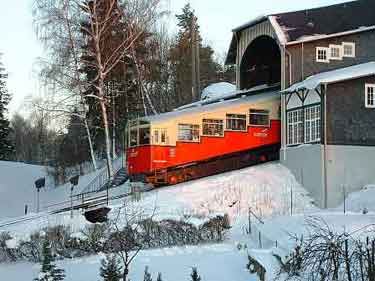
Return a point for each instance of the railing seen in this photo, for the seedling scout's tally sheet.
(102, 178)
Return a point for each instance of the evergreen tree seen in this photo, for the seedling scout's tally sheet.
(49, 271)
(159, 277)
(6, 148)
(147, 276)
(110, 269)
(181, 59)
(194, 275)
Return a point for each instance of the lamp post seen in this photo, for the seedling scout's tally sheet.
(73, 182)
(39, 184)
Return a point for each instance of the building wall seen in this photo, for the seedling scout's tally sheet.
(349, 122)
(349, 168)
(303, 55)
(305, 162)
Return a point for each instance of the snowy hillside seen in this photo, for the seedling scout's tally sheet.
(17, 189)
(264, 188)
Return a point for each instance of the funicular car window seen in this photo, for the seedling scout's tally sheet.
(133, 138)
(213, 127)
(259, 117)
(188, 132)
(144, 136)
(236, 122)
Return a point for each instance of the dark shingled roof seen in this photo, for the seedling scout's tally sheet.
(327, 20)
(319, 21)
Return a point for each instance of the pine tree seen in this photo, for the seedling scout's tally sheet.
(180, 56)
(194, 275)
(159, 277)
(147, 276)
(49, 271)
(6, 148)
(110, 269)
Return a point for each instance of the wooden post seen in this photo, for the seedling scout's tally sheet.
(260, 240)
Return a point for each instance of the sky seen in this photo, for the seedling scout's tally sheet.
(216, 18)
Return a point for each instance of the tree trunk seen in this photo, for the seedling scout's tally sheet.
(107, 135)
(90, 144)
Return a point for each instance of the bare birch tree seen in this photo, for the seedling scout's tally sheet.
(128, 20)
(58, 26)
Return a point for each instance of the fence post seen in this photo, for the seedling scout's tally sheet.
(260, 240)
(249, 220)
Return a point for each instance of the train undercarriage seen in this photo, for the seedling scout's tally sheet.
(209, 167)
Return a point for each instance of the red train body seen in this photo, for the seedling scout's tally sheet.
(205, 139)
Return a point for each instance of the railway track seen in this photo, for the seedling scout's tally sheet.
(89, 203)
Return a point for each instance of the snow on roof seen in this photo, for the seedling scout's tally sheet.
(202, 108)
(342, 74)
(279, 30)
(314, 37)
(231, 95)
(218, 90)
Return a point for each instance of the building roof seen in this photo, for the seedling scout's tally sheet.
(314, 24)
(334, 76)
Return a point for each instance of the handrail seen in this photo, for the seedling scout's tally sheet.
(102, 178)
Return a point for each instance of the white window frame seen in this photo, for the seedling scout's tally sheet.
(367, 92)
(352, 45)
(295, 127)
(260, 111)
(158, 136)
(213, 121)
(312, 124)
(327, 50)
(229, 116)
(197, 127)
(340, 50)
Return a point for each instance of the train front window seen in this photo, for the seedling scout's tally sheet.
(259, 117)
(144, 136)
(213, 127)
(188, 132)
(133, 138)
(236, 122)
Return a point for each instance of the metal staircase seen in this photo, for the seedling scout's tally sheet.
(102, 181)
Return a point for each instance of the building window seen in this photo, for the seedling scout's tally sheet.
(213, 127)
(295, 127)
(370, 95)
(259, 117)
(322, 54)
(188, 132)
(236, 122)
(335, 52)
(312, 124)
(349, 49)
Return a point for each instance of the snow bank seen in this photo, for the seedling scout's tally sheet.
(217, 90)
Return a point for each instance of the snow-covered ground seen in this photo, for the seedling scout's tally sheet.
(17, 189)
(221, 262)
(265, 189)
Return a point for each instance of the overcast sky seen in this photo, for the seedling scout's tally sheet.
(216, 18)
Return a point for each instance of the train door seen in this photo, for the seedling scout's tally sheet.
(159, 156)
